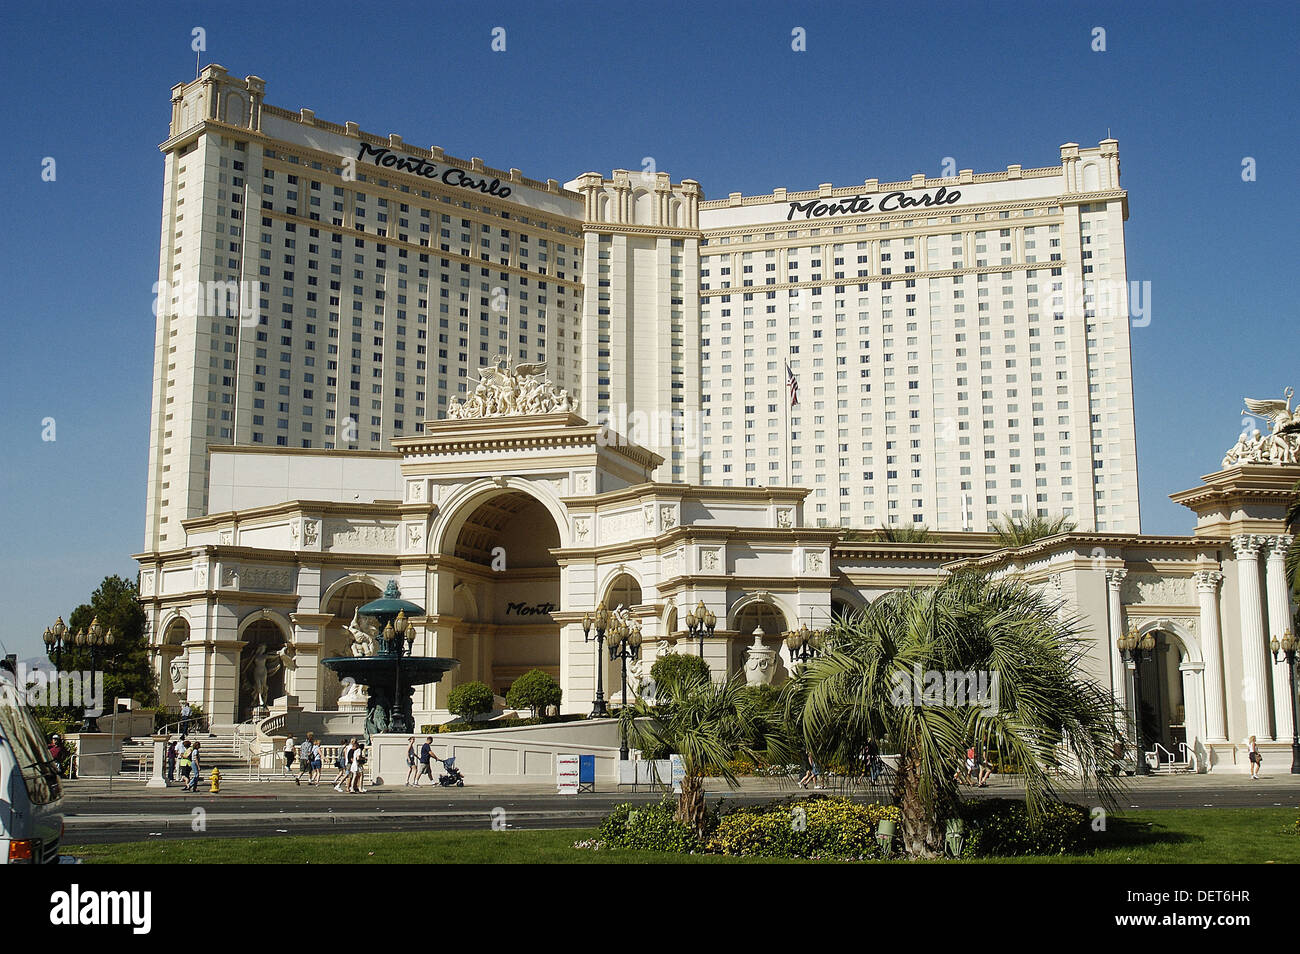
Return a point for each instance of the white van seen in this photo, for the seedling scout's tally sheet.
(31, 795)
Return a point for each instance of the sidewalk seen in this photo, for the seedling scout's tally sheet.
(97, 791)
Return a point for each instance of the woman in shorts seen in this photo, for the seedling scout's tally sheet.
(412, 765)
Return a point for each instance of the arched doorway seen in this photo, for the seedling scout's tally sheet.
(263, 640)
(506, 591)
(752, 616)
(1162, 706)
(342, 603)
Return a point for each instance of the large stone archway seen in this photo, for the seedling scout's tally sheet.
(499, 590)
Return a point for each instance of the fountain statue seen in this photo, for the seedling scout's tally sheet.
(387, 668)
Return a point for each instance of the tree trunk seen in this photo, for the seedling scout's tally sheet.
(921, 836)
(690, 804)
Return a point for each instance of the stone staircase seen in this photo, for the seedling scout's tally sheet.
(221, 750)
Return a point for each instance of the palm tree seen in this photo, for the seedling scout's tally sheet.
(1017, 532)
(1040, 712)
(919, 533)
(709, 725)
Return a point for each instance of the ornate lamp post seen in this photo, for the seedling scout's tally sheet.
(1287, 646)
(624, 644)
(804, 643)
(94, 638)
(599, 709)
(54, 640)
(395, 632)
(1137, 650)
(701, 623)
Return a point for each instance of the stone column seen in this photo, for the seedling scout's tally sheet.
(1194, 711)
(1115, 615)
(1279, 622)
(1254, 651)
(1207, 589)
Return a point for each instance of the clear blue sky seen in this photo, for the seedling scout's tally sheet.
(712, 92)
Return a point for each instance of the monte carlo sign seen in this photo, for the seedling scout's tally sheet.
(858, 204)
(451, 175)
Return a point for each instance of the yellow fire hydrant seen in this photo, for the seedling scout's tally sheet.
(215, 778)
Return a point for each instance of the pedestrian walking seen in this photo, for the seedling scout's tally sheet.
(426, 755)
(306, 753)
(290, 751)
(343, 764)
(187, 766)
(172, 754)
(873, 760)
(1256, 760)
(412, 764)
(316, 761)
(357, 768)
(186, 713)
(195, 767)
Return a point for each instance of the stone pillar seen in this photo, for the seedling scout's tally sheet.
(1115, 615)
(1279, 622)
(158, 778)
(1207, 589)
(1194, 711)
(1254, 650)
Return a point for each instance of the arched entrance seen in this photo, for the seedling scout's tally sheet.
(506, 591)
(342, 603)
(1163, 708)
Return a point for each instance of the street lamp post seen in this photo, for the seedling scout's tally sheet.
(1287, 645)
(701, 623)
(624, 644)
(94, 638)
(54, 640)
(1137, 650)
(804, 643)
(600, 621)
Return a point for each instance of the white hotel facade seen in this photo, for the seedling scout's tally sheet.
(949, 371)
(950, 368)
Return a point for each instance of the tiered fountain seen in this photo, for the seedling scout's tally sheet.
(390, 671)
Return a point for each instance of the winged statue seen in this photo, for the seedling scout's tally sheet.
(1281, 445)
(505, 388)
(1280, 417)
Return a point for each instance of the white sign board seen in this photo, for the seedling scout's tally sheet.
(566, 774)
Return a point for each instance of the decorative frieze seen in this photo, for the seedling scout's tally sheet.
(344, 536)
(1154, 588)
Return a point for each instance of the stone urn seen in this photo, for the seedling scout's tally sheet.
(760, 662)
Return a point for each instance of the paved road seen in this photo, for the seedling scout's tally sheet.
(129, 812)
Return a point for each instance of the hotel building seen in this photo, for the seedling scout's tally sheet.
(323, 288)
(329, 299)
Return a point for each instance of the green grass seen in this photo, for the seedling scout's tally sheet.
(1176, 836)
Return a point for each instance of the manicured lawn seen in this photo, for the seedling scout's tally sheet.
(1176, 836)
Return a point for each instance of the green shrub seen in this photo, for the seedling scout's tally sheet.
(470, 700)
(763, 698)
(816, 827)
(673, 669)
(1001, 827)
(535, 689)
(647, 827)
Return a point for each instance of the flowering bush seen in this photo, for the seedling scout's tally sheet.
(803, 828)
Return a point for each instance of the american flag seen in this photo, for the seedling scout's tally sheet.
(792, 383)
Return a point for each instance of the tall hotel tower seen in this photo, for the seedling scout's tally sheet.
(958, 347)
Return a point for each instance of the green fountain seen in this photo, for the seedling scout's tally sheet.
(386, 665)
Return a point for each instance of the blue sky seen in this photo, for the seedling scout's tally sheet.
(712, 92)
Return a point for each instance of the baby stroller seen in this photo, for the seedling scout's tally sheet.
(452, 774)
